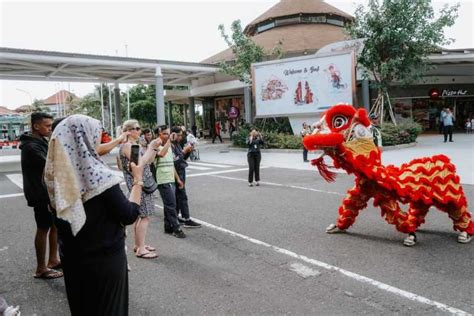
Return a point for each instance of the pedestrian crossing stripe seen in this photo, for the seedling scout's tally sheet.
(16, 178)
(204, 164)
(198, 168)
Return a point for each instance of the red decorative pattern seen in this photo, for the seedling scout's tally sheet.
(421, 183)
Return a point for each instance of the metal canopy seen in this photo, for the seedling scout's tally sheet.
(34, 65)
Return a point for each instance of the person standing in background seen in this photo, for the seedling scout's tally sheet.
(448, 124)
(305, 131)
(254, 157)
(180, 156)
(217, 132)
(34, 150)
(147, 202)
(166, 177)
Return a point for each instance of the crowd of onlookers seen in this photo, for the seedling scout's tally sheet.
(81, 213)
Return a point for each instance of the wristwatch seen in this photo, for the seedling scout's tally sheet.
(140, 183)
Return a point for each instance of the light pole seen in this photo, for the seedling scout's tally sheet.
(26, 92)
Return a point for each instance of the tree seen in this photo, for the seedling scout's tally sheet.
(398, 36)
(245, 51)
(38, 106)
(89, 105)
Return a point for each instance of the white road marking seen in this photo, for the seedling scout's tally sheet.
(16, 178)
(208, 164)
(4, 248)
(198, 168)
(304, 271)
(219, 172)
(282, 185)
(14, 158)
(10, 195)
(363, 279)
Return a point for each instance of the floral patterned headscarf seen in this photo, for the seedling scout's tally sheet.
(74, 172)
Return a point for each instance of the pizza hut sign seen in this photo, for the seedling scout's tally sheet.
(453, 93)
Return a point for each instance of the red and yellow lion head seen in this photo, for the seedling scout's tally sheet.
(331, 130)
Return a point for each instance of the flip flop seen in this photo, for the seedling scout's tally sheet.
(49, 274)
(56, 267)
(147, 255)
(149, 248)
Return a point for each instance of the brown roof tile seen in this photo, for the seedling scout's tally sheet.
(6, 111)
(290, 7)
(60, 97)
(297, 40)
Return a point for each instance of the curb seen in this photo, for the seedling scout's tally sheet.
(287, 151)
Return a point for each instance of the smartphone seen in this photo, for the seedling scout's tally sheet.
(135, 154)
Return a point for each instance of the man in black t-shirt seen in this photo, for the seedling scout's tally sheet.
(34, 149)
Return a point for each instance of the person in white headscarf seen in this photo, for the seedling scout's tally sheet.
(91, 212)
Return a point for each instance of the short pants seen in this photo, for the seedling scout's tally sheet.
(43, 216)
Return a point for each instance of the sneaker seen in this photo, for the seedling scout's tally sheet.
(178, 233)
(250, 184)
(332, 228)
(189, 223)
(464, 238)
(168, 230)
(257, 184)
(410, 241)
(12, 311)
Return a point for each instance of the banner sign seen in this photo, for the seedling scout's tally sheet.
(303, 85)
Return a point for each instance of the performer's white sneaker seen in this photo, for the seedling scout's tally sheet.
(12, 311)
(410, 241)
(332, 228)
(464, 238)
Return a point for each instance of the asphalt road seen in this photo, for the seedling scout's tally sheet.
(262, 250)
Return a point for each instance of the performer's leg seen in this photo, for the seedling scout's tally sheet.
(461, 221)
(355, 201)
(404, 222)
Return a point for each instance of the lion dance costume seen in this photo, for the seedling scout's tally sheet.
(344, 134)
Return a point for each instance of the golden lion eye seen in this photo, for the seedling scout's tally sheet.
(339, 121)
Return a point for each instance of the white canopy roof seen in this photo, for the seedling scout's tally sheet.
(31, 65)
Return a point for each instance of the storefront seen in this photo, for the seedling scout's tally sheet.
(423, 103)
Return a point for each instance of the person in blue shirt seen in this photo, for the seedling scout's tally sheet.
(448, 123)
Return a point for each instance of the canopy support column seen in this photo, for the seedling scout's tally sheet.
(118, 108)
(192, 112)
(248, 105)
(160, 98)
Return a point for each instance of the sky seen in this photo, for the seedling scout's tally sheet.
(168, 30)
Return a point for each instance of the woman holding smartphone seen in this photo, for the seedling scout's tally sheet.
(147, 205)
(91, 212)
(254, 142)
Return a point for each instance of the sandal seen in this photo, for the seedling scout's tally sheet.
(56, 267)
(49, 274)
(149, 248)
(147, 255)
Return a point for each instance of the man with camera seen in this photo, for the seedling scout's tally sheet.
(167, 179)
(180, 164)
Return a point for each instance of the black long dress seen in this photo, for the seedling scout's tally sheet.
(94, 261)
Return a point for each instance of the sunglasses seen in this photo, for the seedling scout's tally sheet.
(138, 128)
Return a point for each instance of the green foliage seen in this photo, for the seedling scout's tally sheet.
(278, 125)
(399, 35)
(404, 133)
(38, 105)
(144, 111)
(272, 139)
(246, 52)
(88, 105)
